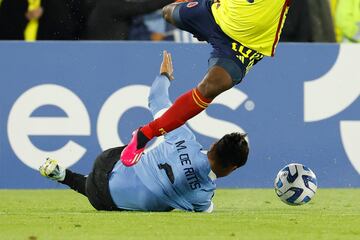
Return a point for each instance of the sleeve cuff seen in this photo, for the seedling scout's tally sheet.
(211, 208)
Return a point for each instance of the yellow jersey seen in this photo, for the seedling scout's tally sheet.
(256, 24)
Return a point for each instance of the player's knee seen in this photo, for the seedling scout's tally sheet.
(210, 89)
(214, 83)
(167, 12)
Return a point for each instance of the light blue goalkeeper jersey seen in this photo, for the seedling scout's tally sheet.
(175, 174)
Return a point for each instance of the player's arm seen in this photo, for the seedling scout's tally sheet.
(211, 208)
(159, 93)
(203, 202)
(158, 99)
(207, 207)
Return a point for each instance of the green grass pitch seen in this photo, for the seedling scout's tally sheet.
(239, 214)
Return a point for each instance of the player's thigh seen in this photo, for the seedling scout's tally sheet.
(193, 17)
(216, 81)
(232, 56)
(107, 159)
(229, 65)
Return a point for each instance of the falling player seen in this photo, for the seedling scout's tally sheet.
(175, 174)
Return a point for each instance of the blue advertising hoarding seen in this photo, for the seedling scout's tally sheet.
(71, 100)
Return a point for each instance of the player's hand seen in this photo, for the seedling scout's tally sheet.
(166, 67)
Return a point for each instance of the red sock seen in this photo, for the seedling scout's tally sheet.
(185, 107)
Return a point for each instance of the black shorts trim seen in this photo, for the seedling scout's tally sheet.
(97, 183)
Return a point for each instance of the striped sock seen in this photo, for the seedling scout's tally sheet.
(185, 107)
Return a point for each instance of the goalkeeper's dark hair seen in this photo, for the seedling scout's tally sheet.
(232, 149)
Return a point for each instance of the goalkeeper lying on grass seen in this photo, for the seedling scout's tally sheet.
(175, 174)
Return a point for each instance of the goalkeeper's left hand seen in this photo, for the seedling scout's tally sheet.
(166, 67)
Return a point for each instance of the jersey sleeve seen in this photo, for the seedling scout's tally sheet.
(159, 95)
(211, 208)
(207, 207)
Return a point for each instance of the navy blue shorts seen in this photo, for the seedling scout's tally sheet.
(196, 17)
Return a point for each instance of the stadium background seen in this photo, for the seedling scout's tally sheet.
(78, 98)
(71, 99)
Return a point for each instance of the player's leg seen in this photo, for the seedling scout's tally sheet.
(194, 17)
(189, 16)
(216, 81)
(95, 186)
(168, 13)
(97, 183)
(52, 170)
(75, 181)
(188, 105)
